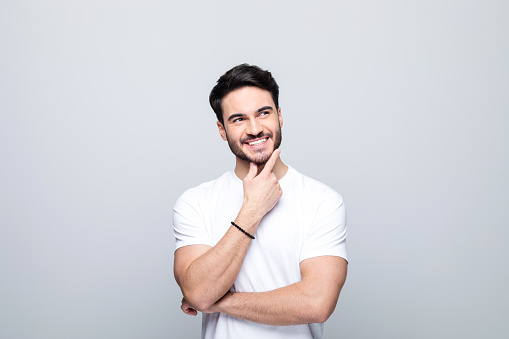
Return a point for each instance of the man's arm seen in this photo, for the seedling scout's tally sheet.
(312, 300)
(206, 273)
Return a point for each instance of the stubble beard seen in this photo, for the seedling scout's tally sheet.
(261, 156)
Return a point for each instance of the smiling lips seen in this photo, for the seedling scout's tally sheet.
(257, 142)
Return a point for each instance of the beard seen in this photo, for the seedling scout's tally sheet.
(261, 156)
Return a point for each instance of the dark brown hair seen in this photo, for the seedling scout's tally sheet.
(242, 76)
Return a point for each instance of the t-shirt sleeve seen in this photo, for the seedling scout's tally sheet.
(327, 234)
(188, 222)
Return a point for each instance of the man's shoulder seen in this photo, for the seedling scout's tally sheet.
(206, 188)
(313, 188)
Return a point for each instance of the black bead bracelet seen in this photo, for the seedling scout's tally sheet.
(240, 229)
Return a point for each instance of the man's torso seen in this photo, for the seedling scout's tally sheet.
(296, 228)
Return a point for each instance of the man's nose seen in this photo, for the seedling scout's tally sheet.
(254, 127)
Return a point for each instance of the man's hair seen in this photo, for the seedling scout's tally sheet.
(238, 77)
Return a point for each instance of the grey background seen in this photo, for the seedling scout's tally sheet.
(401, 106)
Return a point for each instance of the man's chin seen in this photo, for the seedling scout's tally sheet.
(259, 159)
(262, 158)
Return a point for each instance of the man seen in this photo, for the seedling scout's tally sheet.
(260, 250)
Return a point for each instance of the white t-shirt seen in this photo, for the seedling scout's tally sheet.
(309, 220)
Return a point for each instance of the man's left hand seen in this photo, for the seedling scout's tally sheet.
(186, 308)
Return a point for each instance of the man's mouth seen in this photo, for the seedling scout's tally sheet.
(257, 142)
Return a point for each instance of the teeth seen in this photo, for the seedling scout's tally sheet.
(257, 142)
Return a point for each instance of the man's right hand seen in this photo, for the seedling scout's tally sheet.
(262, 191)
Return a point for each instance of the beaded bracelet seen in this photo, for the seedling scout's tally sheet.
(240, 229)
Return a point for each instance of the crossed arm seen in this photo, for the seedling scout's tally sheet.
(312, 300)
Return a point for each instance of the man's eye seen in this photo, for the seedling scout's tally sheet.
(237, 120)
(264, 113)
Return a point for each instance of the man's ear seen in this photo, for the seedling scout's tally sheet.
(222, 131)
(280, 117)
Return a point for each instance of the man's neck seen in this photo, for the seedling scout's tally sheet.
(242, 168)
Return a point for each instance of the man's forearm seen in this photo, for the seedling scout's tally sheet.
(212, 274)
(290, 305)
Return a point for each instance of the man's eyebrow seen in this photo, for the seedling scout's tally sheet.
(236, 115)
(264, 108)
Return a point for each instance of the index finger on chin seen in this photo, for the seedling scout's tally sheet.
(269, 165)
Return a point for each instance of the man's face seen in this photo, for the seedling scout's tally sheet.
(252, 125)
